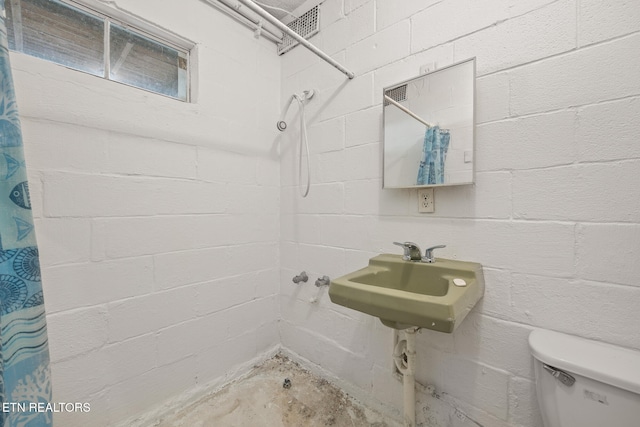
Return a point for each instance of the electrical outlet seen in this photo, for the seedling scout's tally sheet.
(425, 200)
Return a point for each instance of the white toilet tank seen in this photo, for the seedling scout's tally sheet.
(583, 383)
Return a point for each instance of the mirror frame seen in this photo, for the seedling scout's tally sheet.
(473, 130)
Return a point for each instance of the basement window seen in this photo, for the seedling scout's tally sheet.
(87, 39)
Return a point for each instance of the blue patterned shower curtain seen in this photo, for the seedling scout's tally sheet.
(434, 154)
(25, 385)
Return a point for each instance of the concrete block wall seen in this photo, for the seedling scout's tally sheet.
(553, 216)
(157, 220)
(147, 209)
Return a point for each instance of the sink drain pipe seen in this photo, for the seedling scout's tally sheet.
(404, 356)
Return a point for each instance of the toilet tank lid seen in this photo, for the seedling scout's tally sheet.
(616, 366)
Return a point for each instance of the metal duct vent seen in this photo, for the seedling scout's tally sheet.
(306, 26)
(398, 94)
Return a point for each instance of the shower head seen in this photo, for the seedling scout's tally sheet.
(305, 96)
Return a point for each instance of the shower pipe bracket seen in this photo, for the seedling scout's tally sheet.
(258, 32)
(279, 25)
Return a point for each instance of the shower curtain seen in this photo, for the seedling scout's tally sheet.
(434, 154)
(25, 386)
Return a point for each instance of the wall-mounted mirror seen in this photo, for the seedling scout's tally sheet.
(429, 126)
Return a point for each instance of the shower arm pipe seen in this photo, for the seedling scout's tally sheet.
(275, 22)
(249, 21)
(406, 110)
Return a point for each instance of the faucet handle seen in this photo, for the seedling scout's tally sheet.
(428, 253)
(411, 251)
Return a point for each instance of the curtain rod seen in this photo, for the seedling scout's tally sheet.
(274, 21)
(406, 110)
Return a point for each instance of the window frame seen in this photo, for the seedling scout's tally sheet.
(145, 29)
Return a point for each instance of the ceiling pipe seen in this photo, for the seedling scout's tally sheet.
(249, 21)
(279, 25)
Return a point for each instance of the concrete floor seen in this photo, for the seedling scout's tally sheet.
(260, 399)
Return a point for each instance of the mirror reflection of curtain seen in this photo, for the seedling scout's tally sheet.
(434, 154)
(25, 386)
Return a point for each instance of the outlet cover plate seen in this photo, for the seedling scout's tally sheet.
(425, 200)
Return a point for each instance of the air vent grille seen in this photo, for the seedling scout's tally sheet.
(398, 94)
(307, 25)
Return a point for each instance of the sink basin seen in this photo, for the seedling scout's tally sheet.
(404, 294)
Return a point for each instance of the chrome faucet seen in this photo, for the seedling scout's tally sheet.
(411, 251)
(428, 253)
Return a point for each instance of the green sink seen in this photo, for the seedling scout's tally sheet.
(405, 294)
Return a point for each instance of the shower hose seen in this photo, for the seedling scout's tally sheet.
(304, 141)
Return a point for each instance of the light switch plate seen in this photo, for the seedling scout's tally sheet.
(425, 200)
(468, 156)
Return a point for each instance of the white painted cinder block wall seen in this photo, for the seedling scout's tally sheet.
(147, 210)
(554, 215)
